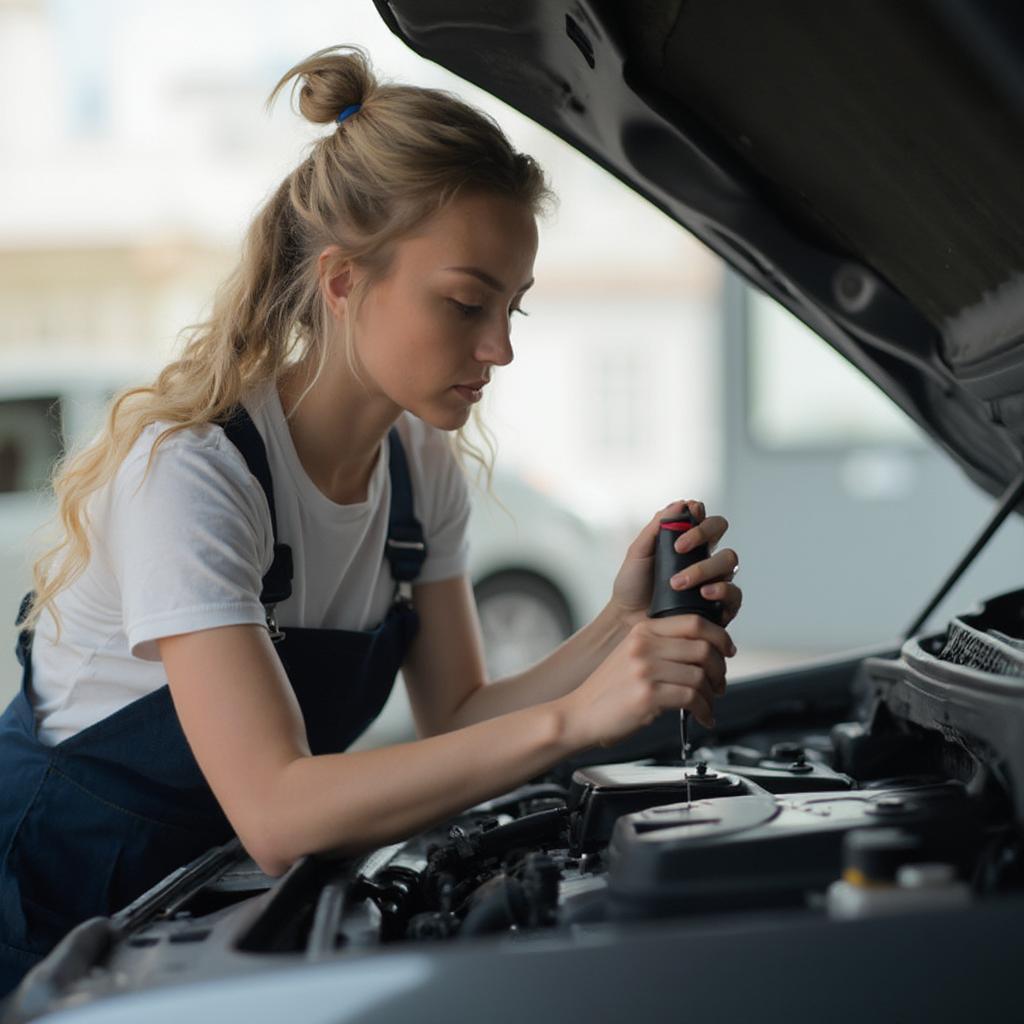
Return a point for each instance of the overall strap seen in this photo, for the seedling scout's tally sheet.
(405, 548)
(23, 645)
(277, 583)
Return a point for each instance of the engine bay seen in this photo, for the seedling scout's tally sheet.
(885, 786)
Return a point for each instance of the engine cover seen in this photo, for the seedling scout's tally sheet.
(600, 795)
(761, 850)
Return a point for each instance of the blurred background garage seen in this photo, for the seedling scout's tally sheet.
(134, 148)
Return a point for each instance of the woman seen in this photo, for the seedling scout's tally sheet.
(259, 540)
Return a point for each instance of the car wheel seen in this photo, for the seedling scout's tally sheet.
(523, 617)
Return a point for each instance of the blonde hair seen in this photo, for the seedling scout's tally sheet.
(388, 167)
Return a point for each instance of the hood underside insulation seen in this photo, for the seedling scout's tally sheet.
(877, 126)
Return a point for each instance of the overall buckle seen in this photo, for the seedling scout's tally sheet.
(276, 634)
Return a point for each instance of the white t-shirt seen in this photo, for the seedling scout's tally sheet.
(185, 547)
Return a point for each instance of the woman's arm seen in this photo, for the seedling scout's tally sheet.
(245, 729)
(444, 671)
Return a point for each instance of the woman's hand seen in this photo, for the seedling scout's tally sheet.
(631, 592)
(672, 662)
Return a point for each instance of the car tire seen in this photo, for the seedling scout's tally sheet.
(523, 617)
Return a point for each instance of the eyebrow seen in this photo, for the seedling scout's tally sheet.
(491, 282)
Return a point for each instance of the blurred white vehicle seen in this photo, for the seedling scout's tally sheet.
(538, 574)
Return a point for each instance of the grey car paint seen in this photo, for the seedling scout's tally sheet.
(803, 969)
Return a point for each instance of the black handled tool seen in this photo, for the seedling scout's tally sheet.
(665, 600)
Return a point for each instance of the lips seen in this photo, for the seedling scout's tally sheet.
(471, 393)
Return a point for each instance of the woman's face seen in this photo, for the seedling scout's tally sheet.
(441, 317)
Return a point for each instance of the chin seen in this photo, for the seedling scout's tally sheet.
(444, 417)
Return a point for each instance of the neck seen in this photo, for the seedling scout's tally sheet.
(337, 427)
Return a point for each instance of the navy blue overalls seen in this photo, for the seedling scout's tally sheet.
(88, 825)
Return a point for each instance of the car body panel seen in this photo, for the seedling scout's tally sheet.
(899, 247)
(785, 966)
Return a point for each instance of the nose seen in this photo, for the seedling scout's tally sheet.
(496, 346)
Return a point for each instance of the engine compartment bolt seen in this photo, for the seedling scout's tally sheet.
(786, 751)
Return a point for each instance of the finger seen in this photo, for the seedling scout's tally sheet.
(721, 565)
(730, 596)
(715, 669)
(691, 627)
(680, 662)
(686, 698)
(709, 531)
(643, 546)
(704, 657)
(695, 508)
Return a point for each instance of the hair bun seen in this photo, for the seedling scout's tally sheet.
(328, 82)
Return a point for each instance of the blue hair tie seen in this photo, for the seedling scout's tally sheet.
(347, 112)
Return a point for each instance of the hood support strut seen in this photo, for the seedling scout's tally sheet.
(1007, 504)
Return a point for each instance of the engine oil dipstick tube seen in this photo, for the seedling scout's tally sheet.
(667, 601)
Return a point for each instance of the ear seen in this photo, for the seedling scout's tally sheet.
(335, 274)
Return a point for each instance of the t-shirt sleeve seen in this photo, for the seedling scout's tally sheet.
(189, 542)
(447, 525)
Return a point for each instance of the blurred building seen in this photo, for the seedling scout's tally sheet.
(141, 149)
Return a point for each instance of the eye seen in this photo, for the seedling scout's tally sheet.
(464, 310)
(516, 309)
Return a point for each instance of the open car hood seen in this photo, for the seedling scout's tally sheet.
(860, 161)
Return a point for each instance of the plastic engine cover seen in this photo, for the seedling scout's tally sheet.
(763, 850)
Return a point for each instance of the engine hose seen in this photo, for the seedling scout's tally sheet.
(539, 828)
(497, 905)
